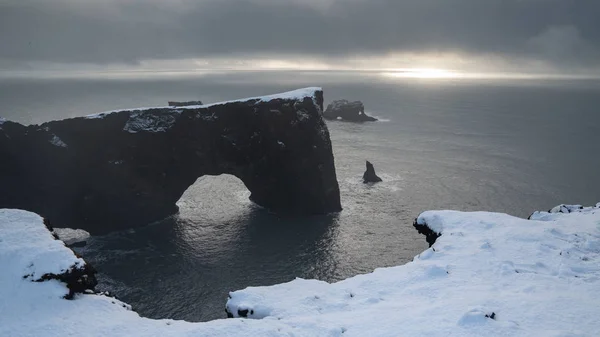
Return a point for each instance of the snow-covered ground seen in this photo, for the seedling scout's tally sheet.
(298, 94)
(488, 274)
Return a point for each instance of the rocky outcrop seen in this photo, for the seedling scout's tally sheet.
(369, 176)
(348, 111)
(31, 251)
(430, 235)
(188, 103)
(125, 168)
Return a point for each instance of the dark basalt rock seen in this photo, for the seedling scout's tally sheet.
(188, 103)
(348, 111)
(370, 176)
(430, 235)
(126, 168)
(79, 280)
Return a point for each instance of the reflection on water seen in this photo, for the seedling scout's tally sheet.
(184, 266)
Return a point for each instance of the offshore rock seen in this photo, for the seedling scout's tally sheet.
(370, 176)
(126, 168)
(347, 111)
(188, 103)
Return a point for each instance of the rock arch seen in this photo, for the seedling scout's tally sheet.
(125, 168)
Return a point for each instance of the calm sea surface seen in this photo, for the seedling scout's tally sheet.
(506, 146)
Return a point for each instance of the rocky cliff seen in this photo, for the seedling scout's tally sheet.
(124, 168)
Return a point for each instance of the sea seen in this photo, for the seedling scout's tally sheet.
(501, 145)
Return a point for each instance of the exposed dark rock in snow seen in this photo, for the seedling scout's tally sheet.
(79, 280)
(370, 176)
(127, 168)
(348, 111)
(188, 103)
(430, 235)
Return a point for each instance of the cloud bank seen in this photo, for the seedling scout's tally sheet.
(554, 33)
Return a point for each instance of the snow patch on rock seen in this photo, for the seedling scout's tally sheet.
(303, 115)
(70, 236)
(57, 141)
(146, 121)
(27, 248)
(299, 94)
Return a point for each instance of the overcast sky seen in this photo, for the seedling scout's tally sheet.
(561, 35)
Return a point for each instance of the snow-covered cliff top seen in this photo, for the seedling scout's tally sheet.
(488, 274)
(298, 94)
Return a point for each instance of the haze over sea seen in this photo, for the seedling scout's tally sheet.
(505, 145)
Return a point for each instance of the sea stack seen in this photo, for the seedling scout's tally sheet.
(347, 111)
(127, 168)
(370, 176)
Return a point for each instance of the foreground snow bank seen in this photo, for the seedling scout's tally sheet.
(488, 274)
(32, 305)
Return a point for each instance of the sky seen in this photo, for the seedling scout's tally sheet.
(521, 36)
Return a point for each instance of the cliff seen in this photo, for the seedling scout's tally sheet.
(124, 168)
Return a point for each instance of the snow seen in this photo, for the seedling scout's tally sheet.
(488, 274)
(28, 248)
(302, 115)
(534, 277)
(70, 236)
(38, 308)
(57, 141)
(298, 94)
(101, 115)
(2, 120)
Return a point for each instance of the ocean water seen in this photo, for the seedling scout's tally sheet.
(510, 146)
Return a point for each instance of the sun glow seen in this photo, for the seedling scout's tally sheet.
(421, 73)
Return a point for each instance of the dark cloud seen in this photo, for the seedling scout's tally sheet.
(565, 33)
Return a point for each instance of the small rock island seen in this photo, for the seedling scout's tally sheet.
(370, 176)
(347, 111)
(187, 103)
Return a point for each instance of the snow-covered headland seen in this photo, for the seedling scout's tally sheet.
(486, 274)
(126, 168)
